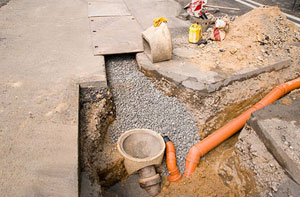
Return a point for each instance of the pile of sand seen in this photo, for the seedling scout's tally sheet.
(261, 37)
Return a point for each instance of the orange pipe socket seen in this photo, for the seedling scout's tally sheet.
(213, 140)
(175, 175)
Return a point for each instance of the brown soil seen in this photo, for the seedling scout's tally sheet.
(218, 174)
(98, 157)
(260, 37)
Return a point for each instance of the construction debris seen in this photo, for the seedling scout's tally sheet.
(263, 36)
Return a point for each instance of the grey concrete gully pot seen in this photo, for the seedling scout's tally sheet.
(143, 149)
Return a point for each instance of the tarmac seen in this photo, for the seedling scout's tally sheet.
(45, 52)
(3, 2)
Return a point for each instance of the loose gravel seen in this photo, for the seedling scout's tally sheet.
(140, 105)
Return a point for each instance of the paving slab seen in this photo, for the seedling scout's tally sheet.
(278, 126)
(190, 75)
(116, 35)
(146, 11)
(45, 54)
(122, 32)
(270, 178)
(107, 8)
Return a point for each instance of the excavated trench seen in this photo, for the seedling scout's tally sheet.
(133, 100)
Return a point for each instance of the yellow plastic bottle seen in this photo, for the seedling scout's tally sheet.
(195, 33)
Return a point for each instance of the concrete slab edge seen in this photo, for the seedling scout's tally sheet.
(117, 53)
(283, 159)
(92, 17)
(93, 84)
(134, 44)
(146, 66)
(78, 134)
(95, 77)
(273, 67)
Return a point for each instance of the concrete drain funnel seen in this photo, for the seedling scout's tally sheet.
(143, 149)
(157, 43)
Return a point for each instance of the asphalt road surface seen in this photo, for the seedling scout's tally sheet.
(3, 2)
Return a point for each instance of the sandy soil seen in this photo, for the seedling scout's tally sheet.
(261, 37)
(99, 158)
(218, 174)
(212, 112)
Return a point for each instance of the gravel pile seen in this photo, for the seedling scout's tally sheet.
(140, 105)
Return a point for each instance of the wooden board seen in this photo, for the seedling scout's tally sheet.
(115, 35)
(107, 8)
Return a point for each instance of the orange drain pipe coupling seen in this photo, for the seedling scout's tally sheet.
(175, 175)
(213, 140)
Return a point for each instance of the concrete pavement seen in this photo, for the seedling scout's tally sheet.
(45, 51)
(146, 11)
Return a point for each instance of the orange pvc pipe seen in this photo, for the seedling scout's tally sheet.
(174, 173)
(213, 140)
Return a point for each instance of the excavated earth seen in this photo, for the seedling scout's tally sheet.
(220, 167)
(195, 114)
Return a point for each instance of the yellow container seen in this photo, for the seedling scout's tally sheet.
(195, 33)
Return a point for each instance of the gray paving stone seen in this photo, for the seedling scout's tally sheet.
(278, 126)
(192, 76)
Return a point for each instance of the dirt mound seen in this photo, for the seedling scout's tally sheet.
(262, 21)
(261, 37)
(262, 34)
